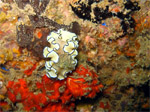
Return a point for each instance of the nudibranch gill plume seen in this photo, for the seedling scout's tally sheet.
(61, 53)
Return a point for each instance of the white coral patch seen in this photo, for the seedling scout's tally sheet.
(62, 44)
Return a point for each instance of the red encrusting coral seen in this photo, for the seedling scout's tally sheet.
(55, 95)
(86, 84)
(51, 88)
(19, 92)
(15, 89)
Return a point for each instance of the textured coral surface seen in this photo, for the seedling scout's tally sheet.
(113, 69)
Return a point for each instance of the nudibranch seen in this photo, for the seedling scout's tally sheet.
(61, 54)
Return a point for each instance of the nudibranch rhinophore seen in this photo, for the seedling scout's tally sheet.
(62, 53)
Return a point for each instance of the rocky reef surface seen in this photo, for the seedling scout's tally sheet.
(112, 72)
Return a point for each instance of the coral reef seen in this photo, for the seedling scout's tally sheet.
(34, 37)
(142, 57)
(113, 69)
(49, 94)
(96, 11)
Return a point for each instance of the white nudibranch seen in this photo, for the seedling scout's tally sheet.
(62, 53)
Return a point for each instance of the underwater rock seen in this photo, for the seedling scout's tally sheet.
(27, 39)
(143, 45)
(38, 5)
(34, 37)
(97, 11)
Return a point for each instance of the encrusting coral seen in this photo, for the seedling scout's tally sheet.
(49, 94)
(62, 53)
